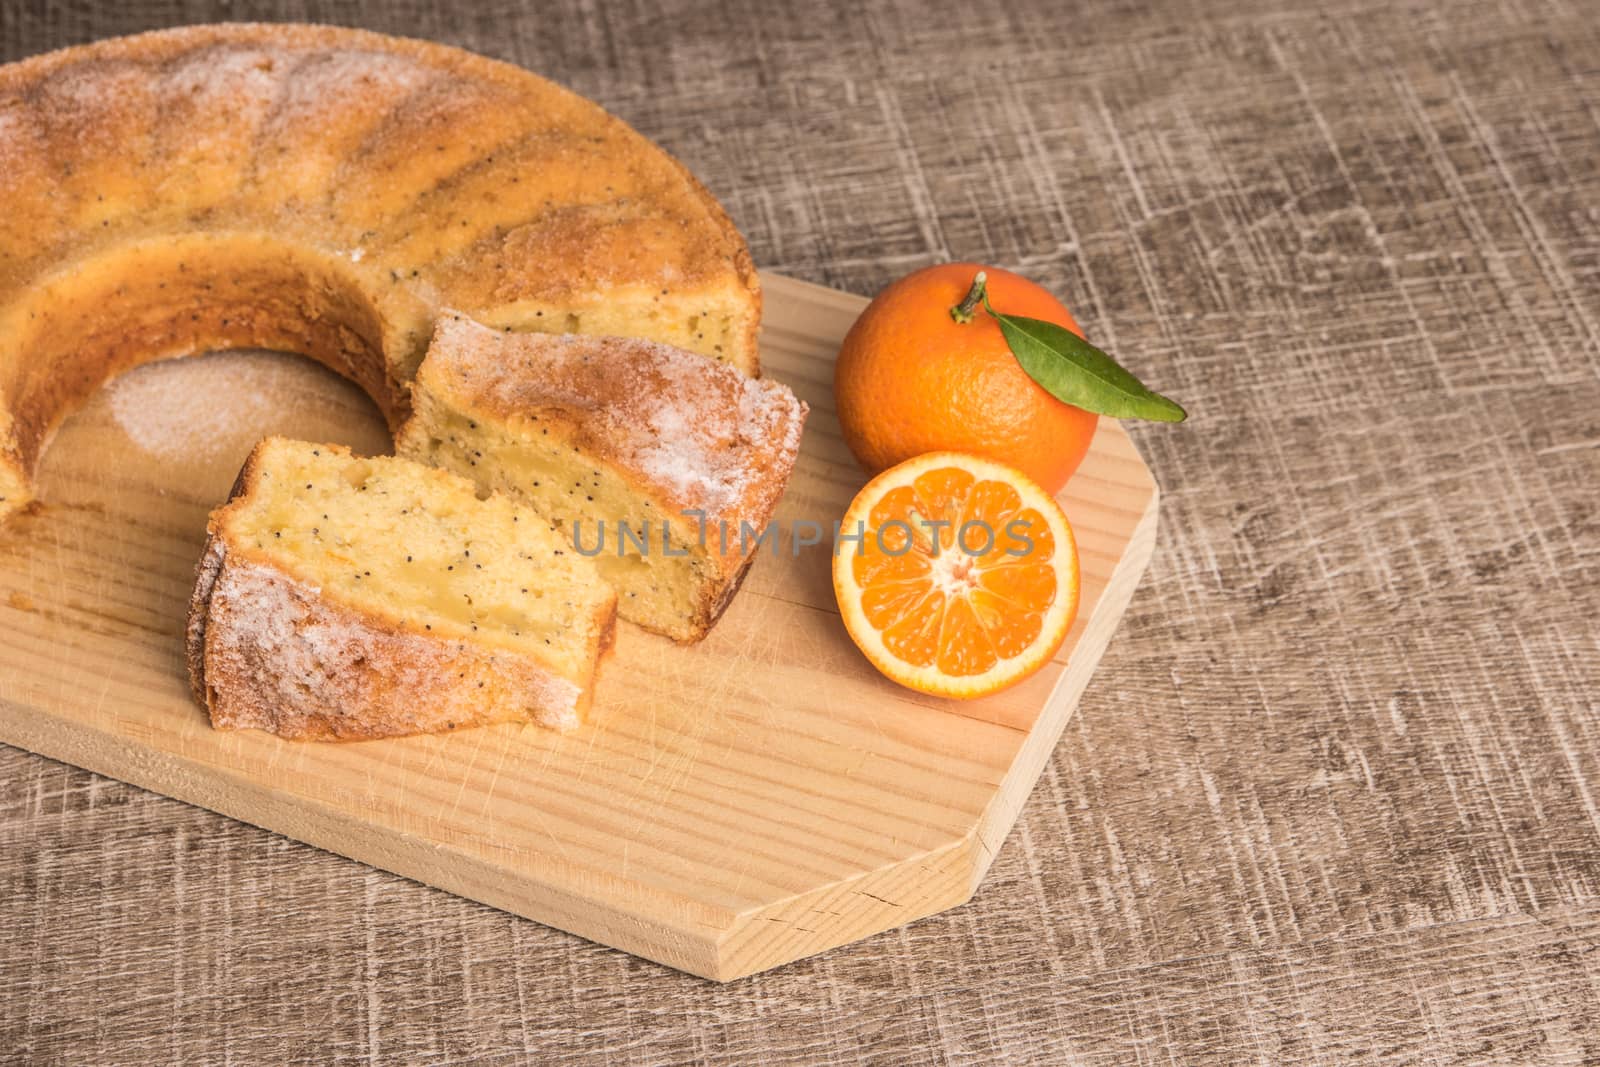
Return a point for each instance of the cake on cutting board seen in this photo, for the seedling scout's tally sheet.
(346, 598)
(329, 192)
(662, 466)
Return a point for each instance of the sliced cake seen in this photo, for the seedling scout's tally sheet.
(325, 191)
(344, 598)
(662, 466)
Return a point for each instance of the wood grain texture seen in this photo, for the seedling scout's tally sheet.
(727, 807)
(1332, 795)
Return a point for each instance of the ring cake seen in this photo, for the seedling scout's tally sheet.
(663, 466)
(326, 191)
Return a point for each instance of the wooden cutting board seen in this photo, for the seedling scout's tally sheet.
(729, 807)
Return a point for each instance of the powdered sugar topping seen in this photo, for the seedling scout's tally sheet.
(704, 433)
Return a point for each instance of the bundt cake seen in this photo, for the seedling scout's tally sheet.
(325, 191)
(344, 598)
(662, 466)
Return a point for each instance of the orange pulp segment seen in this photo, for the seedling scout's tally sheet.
(956, 575)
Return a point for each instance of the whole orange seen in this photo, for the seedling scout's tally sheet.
(910, 379)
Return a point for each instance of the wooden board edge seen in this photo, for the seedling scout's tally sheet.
(878, 901)
(946, 877)
(1002, 812)
(688, 945)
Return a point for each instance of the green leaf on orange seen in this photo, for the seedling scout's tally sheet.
(1076, 372)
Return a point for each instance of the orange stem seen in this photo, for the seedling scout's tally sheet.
(963, 311)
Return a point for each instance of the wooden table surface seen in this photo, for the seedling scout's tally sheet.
(1334, 794)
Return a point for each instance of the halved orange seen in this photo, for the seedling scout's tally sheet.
(956, 575)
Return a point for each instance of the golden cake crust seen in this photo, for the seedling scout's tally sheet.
(269, 650)
(689, 436)
(342, 184)
(249, 672)
(695, 436)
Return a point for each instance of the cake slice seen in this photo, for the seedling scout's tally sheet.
(344, 598)
(662, 466)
